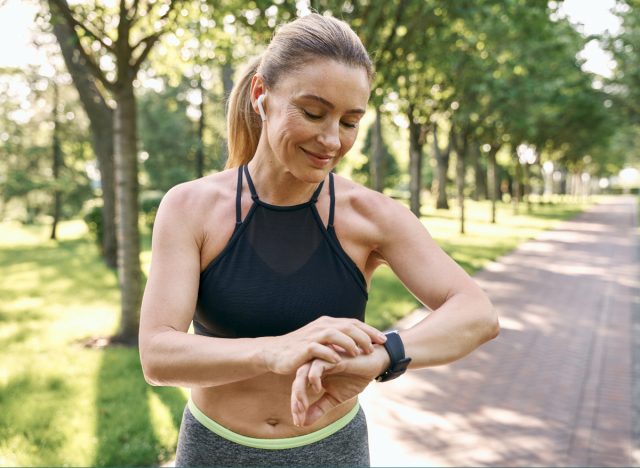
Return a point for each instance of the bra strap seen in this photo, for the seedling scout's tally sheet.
(254, 194)
(332, 198)
(316, 194)
(239, 197)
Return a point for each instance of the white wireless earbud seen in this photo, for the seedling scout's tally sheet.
(263, 115)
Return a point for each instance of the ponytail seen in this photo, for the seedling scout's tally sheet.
(243, 124)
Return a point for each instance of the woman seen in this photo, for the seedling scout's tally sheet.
(280, 350)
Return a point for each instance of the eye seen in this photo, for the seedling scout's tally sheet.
(350, 125)
(311, 116)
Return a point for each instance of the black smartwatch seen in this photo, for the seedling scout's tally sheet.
(399, 362)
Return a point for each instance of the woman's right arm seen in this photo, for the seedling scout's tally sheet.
(172, 357)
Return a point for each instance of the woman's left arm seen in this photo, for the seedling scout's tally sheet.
(462, 316)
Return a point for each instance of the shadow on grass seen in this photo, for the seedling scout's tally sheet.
(125, 427)
(28, 419)
(69, 267)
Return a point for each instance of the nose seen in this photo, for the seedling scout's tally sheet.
(329, 138)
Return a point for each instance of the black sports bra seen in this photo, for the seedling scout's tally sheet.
(280, 270)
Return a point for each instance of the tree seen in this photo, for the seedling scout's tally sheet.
(390, 171)
(33, 172)
(137, 29)
(57, 161)
(167, 137)
(101, 123)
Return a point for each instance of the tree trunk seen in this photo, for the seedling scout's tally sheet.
(515, 189)
(474, 162)
(460, 173)
(57, 162)
(480, 191)
(493, 181)
(527, 186)
(101, 123)
(461, 153)
(442, 168)
(377, 154)
(227, 86)
(415, 163)
(201, 126)
(129, 271)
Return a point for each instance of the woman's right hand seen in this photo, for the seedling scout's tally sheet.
(287, 353)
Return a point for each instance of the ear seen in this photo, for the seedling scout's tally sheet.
(258, 88)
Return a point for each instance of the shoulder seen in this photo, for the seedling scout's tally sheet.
(186, 202)
(188, 196)
(378, 211)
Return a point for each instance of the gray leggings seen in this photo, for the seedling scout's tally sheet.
(199, 446)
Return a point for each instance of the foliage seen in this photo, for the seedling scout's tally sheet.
(390, 167)
(624, 90)
(167, 136)
(93, 219)
(149, 204)
(26, 153)
(625, 84)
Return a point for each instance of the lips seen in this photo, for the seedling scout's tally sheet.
(319, 161)
(324, 157)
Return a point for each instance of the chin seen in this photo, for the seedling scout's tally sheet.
(310, 174)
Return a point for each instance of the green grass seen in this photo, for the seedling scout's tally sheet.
(481, 243)
(65, 404)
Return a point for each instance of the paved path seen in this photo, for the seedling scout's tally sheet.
(555, 388)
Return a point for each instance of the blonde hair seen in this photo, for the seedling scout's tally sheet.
(292, 47)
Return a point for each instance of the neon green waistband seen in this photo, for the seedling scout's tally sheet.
(272, 444)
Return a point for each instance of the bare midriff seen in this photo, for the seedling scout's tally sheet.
(259, 407)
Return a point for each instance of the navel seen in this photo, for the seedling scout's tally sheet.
(273, 422)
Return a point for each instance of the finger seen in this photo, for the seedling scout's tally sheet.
(299, 400)
(320, 408)
(337, 348)
(375, 335)
(364, 335)
(319, 351)
(361, 338)
(338, 337)
(317, 370)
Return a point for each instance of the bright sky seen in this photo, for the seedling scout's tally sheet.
(593, 17)
(16, 18)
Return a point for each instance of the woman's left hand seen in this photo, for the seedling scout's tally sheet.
(320, 386)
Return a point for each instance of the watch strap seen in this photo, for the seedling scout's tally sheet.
(399, 362)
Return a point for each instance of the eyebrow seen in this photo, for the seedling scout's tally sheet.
(329, 104)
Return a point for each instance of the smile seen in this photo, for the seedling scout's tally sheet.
(317, 160)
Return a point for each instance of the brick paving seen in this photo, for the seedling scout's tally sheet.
(555, 388)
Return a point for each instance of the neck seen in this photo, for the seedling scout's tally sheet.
(277, 185)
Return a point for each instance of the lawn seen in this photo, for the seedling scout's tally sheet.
(63, 403)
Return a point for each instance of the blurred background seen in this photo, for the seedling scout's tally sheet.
(491, 120)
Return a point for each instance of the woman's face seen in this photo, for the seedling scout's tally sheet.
(313, 116)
